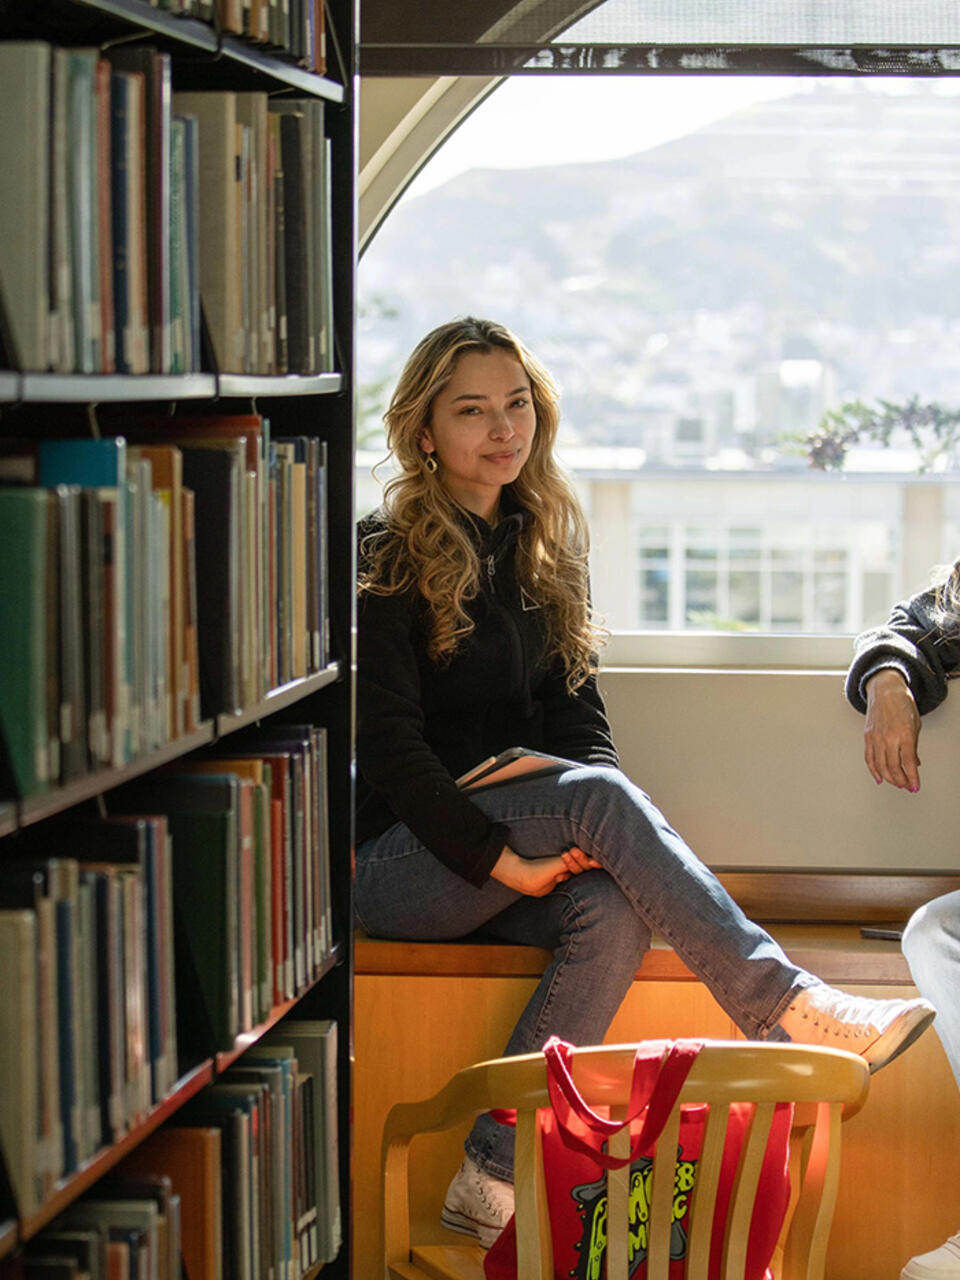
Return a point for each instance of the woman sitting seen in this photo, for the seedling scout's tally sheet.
(475, 634)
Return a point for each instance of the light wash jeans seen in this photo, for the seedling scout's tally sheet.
(931, 943)
(598, 924)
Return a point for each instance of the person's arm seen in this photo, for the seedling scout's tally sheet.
(899, 671)
(393, 755)
(892, 730)
(913, 641)
(575, 725)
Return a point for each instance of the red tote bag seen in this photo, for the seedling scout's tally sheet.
(575, 1161)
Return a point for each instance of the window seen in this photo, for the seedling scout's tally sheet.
(709, 266)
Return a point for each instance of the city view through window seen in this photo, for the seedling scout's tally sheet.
(716, 271)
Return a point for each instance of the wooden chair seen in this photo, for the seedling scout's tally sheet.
(825, 1084)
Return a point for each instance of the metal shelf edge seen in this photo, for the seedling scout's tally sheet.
(284, 696)
(46, 804)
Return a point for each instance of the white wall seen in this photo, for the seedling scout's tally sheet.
(765, 768)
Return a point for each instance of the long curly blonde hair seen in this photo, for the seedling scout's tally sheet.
(425, 546)
(947, 597)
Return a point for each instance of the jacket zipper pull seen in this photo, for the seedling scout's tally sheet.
(491, 567)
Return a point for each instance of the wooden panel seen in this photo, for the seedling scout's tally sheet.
(835, 953)
(449, 959)
(410, 1036)
(833, 896)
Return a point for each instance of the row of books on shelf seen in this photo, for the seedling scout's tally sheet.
(130, 206)
(149, 585)
(139, 944)
(241, 1185)
(296, 28)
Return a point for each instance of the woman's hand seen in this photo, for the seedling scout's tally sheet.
(892, 730)
(536, 877)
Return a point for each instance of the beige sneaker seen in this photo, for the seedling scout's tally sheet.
(477, 1204)
(940, 1264)
(876, 1029)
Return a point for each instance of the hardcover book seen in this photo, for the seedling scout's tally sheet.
(24, 210)
(23, 673)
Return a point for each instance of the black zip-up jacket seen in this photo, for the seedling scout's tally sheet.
(420, 725)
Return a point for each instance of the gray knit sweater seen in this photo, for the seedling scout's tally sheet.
(919, 641)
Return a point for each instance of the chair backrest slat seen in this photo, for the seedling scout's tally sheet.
(740, 1209)
(806, 1245)
(618, 1207)
(705, 1192)
(661, 1199)
(534, 1243)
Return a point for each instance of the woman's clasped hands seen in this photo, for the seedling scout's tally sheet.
(536, 877)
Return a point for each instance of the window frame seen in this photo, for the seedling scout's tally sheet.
(464, 74)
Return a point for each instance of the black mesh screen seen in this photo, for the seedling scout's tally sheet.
(495, 37)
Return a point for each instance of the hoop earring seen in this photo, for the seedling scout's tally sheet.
(431, 464)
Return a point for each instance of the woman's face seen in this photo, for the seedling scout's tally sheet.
(481, 428)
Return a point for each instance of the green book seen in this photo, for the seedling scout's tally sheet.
(202, 903)
(202, 817)
(23, 672)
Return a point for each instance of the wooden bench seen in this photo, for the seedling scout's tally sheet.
(422, 1010)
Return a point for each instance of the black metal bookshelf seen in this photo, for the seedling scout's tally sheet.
(316, 405)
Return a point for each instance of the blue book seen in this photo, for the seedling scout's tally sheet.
(88, 463)
(129, 841)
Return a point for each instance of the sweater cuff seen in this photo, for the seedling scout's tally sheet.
(888, 663)
(478, 872)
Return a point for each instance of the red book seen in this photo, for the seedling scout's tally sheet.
(118, 1261)
(245, 898)
(277, 900)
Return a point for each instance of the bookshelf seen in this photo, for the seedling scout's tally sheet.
(312, 402)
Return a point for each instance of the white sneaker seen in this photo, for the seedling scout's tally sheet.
(876, 1029)
(477, 1204)
(940, 1264)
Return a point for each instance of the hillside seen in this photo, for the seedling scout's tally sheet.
(825, 225)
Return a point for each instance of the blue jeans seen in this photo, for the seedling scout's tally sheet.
(931, 943)
(598, 924)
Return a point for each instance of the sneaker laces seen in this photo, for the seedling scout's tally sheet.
(494, 1194)
(851, 1017)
